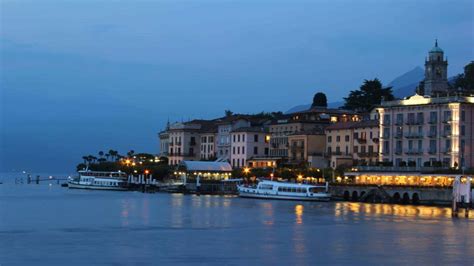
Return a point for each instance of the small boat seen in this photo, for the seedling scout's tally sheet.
(285, 191)
(99, 180)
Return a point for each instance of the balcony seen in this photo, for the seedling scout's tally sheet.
(171, 144)
(447, 151)
(433, 121)
(432, 135)
(447, 120)
(399, 135)
(398, 151)
(178, 143)
(376, 140)
(367, 154)
(423, 169)
(416, 135)
(432, 151)
(192, 143)
(362, 140)
(399, 123)
(447, 135)
(414, 151)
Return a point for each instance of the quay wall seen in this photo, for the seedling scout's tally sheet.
(394, 194)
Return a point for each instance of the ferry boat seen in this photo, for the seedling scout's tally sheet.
(99, 180)
(285, 191)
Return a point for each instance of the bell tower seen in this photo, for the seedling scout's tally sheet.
(436, 72)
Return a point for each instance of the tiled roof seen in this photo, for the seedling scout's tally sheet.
(250, 129)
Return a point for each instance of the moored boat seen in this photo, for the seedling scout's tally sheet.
(285, 191)
(99, 180)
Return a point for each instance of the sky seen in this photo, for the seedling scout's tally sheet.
(77, 77)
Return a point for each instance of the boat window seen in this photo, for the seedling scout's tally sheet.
(265, 186)
(317, 189)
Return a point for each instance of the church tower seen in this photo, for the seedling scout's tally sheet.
(436, 72)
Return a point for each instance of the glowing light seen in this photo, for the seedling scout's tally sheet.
(147, 172)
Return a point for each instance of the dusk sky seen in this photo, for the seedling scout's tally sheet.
(82, 76)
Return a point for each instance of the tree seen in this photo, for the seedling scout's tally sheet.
(228, 113)
(130, 153)
(464, 82)
(369, 94)
(320, 100)
(101, 154)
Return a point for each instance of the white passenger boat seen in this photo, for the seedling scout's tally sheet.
(99, 180)
(285, 191)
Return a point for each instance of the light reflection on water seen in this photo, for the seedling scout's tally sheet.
(358, 208)
(137, 228)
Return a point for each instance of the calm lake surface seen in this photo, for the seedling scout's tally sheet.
(50, 225)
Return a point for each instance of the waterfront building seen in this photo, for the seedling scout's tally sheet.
(191, 170)
(164, 142)
(208, 143)
(426, 131)
(307, 147)
(316, 118)
(185, 140)
(352, 142)
(248, 143)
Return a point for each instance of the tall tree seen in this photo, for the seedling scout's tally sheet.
(228, 113)
(320, 100)
(369, 94)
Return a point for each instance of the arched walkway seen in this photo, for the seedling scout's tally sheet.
(415, 199)
(355, 195)
(406, 198)
(346, 195)
(396, 197)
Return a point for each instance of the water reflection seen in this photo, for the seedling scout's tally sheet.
(299, 213)
(125, 208)
(358, 208)
(268, 213)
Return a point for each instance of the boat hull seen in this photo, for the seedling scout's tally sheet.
(93, 187)
(325, 197)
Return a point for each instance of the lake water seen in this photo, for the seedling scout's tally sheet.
(50, 225)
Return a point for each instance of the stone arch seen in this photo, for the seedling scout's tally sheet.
(355, 195)
(346, 195)
(415, 199)
(396, 197)
(406, 198)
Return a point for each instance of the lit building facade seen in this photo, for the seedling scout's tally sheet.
(427, 131)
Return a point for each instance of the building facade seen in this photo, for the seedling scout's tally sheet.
(248, 143)
(353, 143)
(423, 131)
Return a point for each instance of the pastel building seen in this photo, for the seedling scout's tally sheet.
(248, 143)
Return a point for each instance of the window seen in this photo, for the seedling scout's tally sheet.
(463, 130)
(238, 150)
(356, 149)
(338, 138)
(255, 138)
(447, 115)
(463, 116)
(266, 151)
(356, 135)
(329, 139)
(420, 118)
(433, 117)
(238, 138)
(233, 150)
(329, 150)
(386, 119)
(243, 137)
(432, 146)
(347, 137)
(411, 118)
(233, 138)
(255, 150)
(399, 119)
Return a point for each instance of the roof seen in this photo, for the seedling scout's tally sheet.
(250, 129)
(351, 125)
(207, 166)
(436, 49)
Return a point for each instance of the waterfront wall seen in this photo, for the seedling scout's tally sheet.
(393, 194)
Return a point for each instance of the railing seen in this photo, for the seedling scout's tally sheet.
(433, 121)
(448, 120)
(399, 135)
(432, 135)
(362, 140)
(414, 151)
(398, 168)
(414, 135)
(192, 143)
(447, 134)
